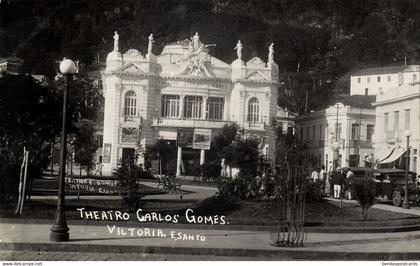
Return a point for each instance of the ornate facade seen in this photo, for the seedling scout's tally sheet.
(153, 97)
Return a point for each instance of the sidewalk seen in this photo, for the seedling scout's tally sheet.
(386, 207)
(330, 246)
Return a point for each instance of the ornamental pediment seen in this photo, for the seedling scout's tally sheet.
(132, 68)
(257, 75)
(256, 61)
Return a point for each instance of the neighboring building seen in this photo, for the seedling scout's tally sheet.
(371, 81)
(398, 110)
(285, 119)
(11, 65)
(351, 126)
(179, 92)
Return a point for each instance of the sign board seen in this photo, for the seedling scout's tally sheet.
(130, 134)
(107, 153)
(184, 138)
(202, 139)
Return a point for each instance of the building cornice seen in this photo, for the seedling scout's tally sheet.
(402, 98)
(139, 74)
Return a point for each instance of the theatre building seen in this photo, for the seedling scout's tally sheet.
(184, 96)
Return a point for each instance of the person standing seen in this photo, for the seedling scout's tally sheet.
(315, 175)
(324, 179)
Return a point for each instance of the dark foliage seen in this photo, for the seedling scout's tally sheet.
(128, 177)
(211, 169)
(321, 40)
(364, 190)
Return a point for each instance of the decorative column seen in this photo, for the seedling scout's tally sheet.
(178, 161)
(204, 108)
(181, 106)
(202, 156)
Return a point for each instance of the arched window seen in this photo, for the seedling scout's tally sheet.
(253, 110)
(130, 104)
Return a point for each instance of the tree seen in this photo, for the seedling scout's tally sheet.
(30, 116)
(164, 152)
(84, 144)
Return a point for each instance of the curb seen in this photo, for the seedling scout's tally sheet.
(280, 254)
(388, 229)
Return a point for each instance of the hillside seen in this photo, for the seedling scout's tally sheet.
(320, 39)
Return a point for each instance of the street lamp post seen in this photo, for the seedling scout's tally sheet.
(406, 203)
(60, 230)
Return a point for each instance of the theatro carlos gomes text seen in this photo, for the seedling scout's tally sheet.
(146, 217)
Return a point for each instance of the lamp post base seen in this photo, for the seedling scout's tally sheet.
(59, 233)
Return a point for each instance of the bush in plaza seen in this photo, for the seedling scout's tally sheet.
(364, 191)
(128, 176)
(246, 187)
(211, 169)
(313, 191)
(9, 180)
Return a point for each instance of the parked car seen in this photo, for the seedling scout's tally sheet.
(390, 185)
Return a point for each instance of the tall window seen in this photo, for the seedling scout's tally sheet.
(170, 105)
(368, 79)
(313, 132)
(192, 106)
(301, 134)
(355, 129)
(370, 129)
(378, 79)
(407, 119)
(307, 134)
(338, 130)
(386, 117)
(389, 78)
(253, 110)
(359, 80)
(366, 91)
(130, 104)
(414, 77)
(396, 121)
(215, 108)
(320, 132)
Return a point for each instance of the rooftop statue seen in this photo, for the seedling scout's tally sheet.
(150, 46)
(271, 53)
(238, 49)
(196, 41)
(116, 40)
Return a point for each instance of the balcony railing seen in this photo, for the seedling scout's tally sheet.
(393, 136)
(193, 123)
(254, 126)
(128, 118)
(360, 143)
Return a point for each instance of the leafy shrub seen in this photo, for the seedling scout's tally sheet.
(128, 176)
(9, 180)
(246, 187)
(211, 169)
(364, 191)
(313, 191)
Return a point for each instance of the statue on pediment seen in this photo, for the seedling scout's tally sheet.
(150, 46)
(116, 41)
(238, 49)
(132, 52)
(271, 53)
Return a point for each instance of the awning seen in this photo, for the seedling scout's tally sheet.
(383, 154)
(398, 152)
